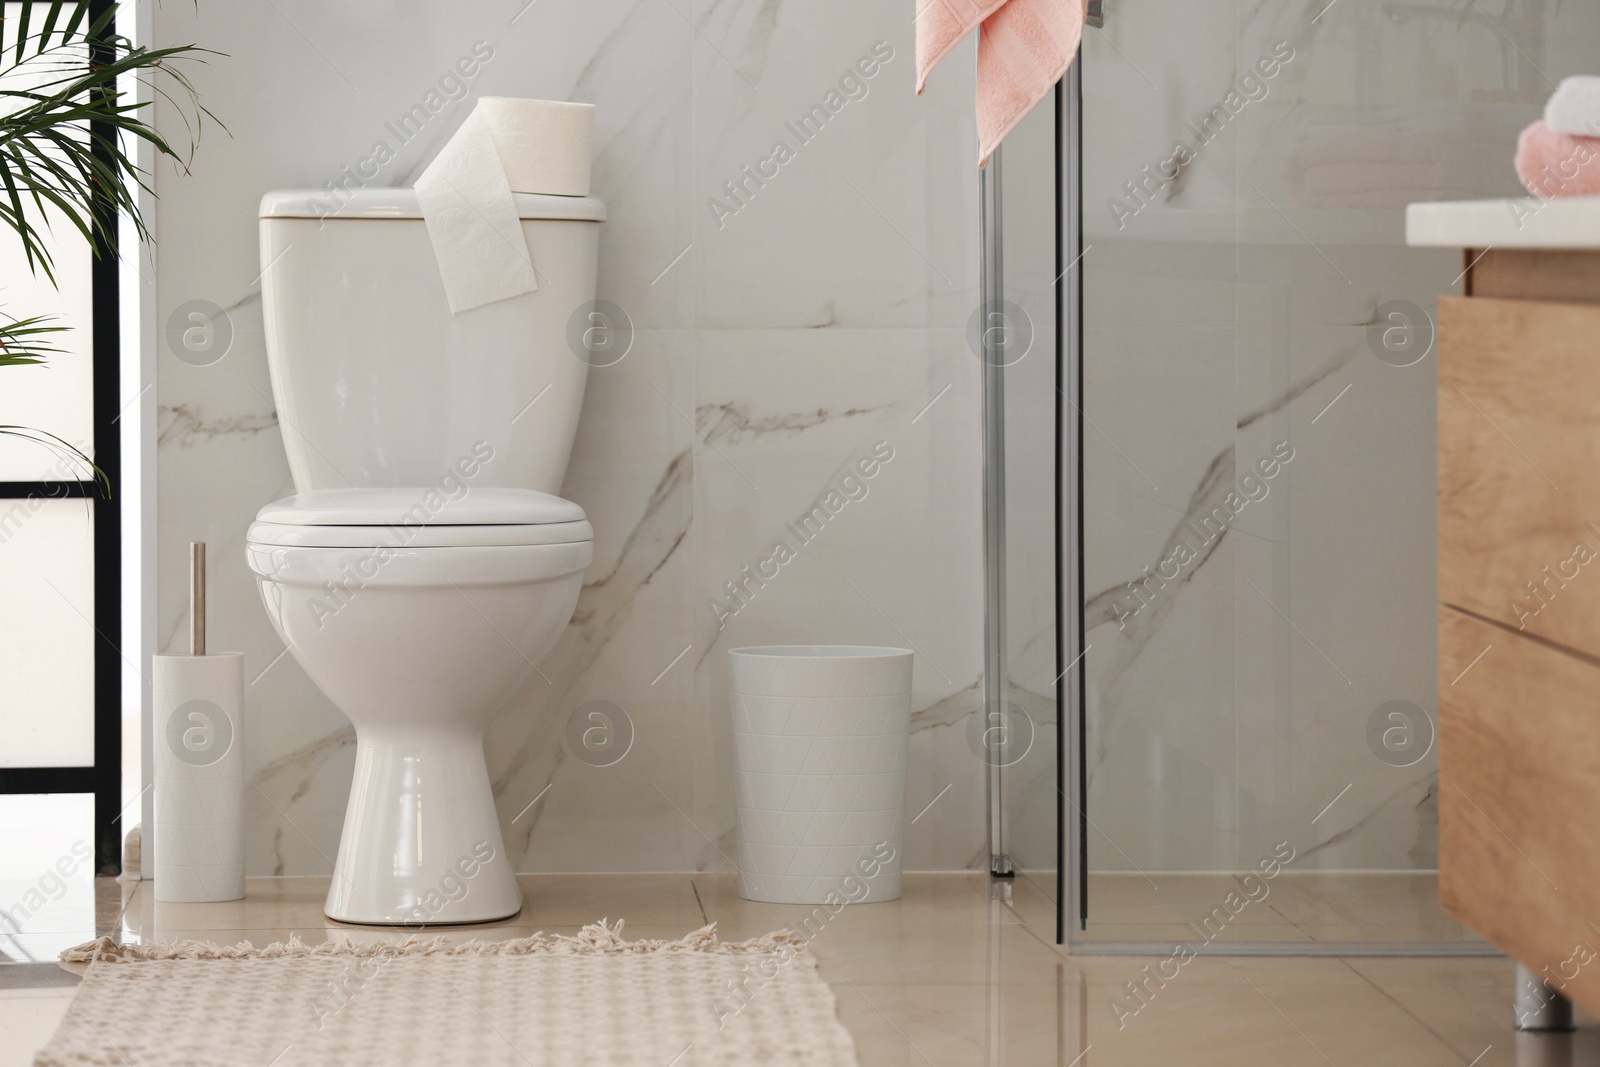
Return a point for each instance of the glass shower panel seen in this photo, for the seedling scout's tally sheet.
(1028, 226)
(1258, 457)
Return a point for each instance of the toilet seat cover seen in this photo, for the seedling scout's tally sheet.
(420, 518)
(403, 204)
(429, 506)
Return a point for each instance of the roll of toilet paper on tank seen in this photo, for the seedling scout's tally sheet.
(544, 145)
(505, 145)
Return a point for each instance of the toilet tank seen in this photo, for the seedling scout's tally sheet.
(378, 385)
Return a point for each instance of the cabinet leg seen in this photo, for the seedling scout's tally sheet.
(1538, 1006)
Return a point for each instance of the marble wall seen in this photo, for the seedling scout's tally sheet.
(775, 344)
(1235, 307)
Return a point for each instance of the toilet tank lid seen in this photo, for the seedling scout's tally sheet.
(402, 204)
(426, 506)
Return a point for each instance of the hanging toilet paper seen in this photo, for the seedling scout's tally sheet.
(506, 145)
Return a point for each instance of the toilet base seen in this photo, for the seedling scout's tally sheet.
(421, 844)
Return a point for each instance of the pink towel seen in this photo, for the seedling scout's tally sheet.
(1024, 48)
(1558, 164)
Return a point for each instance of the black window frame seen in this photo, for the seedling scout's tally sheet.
(103, 778)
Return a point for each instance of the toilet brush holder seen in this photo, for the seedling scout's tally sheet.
(198, 738)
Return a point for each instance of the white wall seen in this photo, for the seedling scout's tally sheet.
(822, 317)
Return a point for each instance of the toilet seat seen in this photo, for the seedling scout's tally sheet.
(420, 518)
(373, 535)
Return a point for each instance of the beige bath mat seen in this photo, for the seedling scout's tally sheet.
(588, 999)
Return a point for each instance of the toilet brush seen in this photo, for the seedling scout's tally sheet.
(198, 738)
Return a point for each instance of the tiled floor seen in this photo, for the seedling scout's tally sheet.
(952, 975)
(1296, 906)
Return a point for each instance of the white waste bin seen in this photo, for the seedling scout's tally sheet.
(819, 752)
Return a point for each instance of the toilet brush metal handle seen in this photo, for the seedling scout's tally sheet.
(197, 598)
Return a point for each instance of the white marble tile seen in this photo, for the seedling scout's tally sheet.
(1323, 614)
(306, 90)
(1283, 239)
(632, 469)
(1153, 70)
(1362, 584)
(784, 416)
(869, 222)
(1134, 281)
(827, 311)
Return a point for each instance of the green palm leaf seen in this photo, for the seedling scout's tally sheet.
(21, 344)
(68, 133)
(68, 453)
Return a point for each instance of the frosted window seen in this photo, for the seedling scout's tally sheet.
(56, 396)
(46, 633)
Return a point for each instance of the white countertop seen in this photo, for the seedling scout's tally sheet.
(1561, 222)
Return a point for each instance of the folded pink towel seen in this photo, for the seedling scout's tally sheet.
(1558, 164)
(941, 24)
(1024, 48)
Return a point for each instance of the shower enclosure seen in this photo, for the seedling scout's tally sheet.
(1229, 449)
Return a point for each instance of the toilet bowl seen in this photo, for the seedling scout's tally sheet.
(424, 564)
(420, 634)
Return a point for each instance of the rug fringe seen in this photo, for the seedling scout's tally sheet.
(596, 938)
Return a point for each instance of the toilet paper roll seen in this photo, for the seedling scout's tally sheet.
(544, 145)
(506, 144)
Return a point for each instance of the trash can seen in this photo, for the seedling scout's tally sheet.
(819, 748)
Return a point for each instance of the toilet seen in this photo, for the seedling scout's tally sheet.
(425, 562)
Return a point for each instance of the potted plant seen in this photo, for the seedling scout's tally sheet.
(68, 131)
